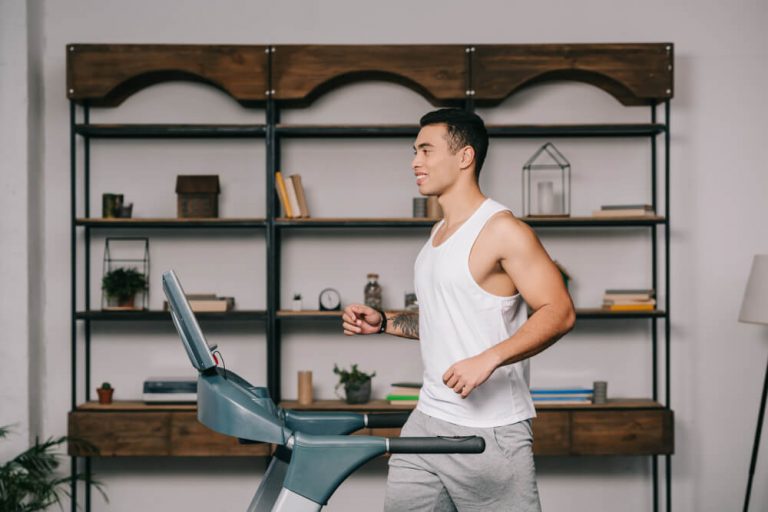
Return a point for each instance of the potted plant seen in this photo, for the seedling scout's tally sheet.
(122, 284)
(357, 384)
(297, 302)
(105, 393)
(30, 481)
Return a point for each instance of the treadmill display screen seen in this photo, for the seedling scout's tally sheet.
(186, 324)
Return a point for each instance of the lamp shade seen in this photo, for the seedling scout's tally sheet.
(754, 307)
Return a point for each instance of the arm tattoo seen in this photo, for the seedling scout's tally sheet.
(407, 324)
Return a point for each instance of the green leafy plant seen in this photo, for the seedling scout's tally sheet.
(123, 283)
(29, 482)
(352, 379)
(106, 385)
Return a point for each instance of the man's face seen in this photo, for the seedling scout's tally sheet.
(436, 167)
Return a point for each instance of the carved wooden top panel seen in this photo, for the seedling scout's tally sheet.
(300, 73)
(636, 74)
(105, 75)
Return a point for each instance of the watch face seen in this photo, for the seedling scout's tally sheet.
(330, 299)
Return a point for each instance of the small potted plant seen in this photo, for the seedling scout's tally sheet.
(121, 286)
(105, 393)
(357, 384)
(297, 302)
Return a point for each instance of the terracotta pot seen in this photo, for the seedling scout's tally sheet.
(105, 395)
(127, 302)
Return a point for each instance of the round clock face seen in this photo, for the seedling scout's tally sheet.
(330, 299)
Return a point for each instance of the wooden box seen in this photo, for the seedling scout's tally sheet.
(198, 196)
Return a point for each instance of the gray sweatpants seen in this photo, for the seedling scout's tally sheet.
(503, 477)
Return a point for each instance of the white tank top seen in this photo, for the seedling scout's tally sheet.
(459, 319)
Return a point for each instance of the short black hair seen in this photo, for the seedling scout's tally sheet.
(464, 129)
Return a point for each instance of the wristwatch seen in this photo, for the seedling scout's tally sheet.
(383, 326)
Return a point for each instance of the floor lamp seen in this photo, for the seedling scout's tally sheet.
(754, 309)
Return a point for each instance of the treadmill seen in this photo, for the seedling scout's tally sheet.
(313, 454)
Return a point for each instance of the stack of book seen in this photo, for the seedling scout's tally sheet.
(629, 300)
(207, 303)
(404, 393)
(292, 197)
(624, 210)
(562, 395)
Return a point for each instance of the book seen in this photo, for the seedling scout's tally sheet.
(561, 391)
(403, 402)
(219, 305)
(628, 302)
(562, 400)
(292, 199)
(300, 195)
(400, 398)
(630, 307)
(647, 207)
(404, 392)
(201, 296)
(629, 212)
(209, 304)
(416, 385)
(648, 291)
(627, 297)
(282, 193)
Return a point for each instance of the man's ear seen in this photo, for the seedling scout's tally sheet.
(467, 157)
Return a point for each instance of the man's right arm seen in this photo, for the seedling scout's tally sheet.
(359, 319)
(404, 324)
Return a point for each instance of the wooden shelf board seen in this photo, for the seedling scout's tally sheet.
(165, 315)
(313, 313)
(384, 405)
(580, 312)
(580, 221)
(134, 406)
(196, 131)
(172, 222)
(494, 130)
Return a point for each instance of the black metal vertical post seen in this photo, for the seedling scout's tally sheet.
(654, 258)
(87, 252)
(87, 291)
(73, 289)
(667, 322)
(273, 242)
(655, 286)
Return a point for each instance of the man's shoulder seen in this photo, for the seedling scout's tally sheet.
(504, 223)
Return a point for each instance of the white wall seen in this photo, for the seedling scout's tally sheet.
(718, 196)
(21, 114)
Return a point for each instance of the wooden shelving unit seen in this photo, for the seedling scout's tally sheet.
(287, 76)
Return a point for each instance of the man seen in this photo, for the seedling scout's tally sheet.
(472, 280)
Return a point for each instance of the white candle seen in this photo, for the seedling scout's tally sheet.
(546, 190)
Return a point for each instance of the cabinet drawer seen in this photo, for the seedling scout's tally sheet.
(551, 433)
(631, 432)
(133, 434)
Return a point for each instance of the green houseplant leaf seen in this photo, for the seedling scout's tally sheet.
(29, 482)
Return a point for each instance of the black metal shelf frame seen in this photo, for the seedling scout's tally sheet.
(272, 132)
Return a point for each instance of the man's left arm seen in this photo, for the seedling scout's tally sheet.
(540, 283)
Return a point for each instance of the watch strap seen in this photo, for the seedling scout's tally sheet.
(383, 326)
